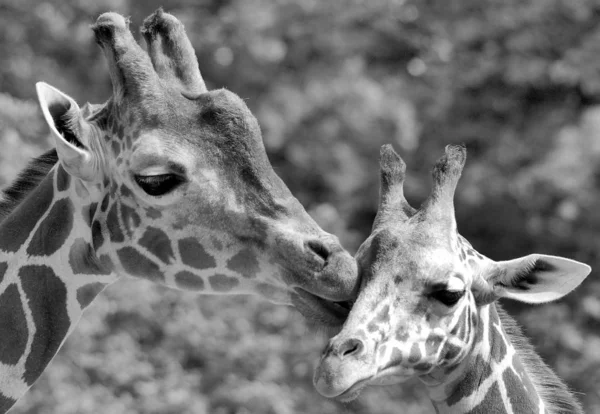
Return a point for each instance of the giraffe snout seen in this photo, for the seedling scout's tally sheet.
(319, 249)
(346, 348)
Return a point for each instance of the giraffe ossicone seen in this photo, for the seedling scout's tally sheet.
(166, 181)
(427, 309)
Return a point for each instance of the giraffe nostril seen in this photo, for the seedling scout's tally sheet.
(319, 248)
(351, 347)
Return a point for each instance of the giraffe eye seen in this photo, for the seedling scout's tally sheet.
(448, 297)
(157, 185)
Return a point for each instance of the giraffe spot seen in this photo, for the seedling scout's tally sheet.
(383, 316)
(415, 354)
(451, 351)
(517, 365)
(112, 223)
(476, 373)
(119, 161)
(88, 212)
(193, 254)
(157, 243)
(82, 259)
(121, 131)
(130, 219)
(153, 213)
(97, 237)
(402, 334)
(13, 326)
(518, 395)
(52, 233)
(20, 223)
(395, 358)
(244, 262)
(6, 403)
(47, 302)
(223, 283)
(128, 142)
(497, 345)
(104, 204)
(423, 366)
(116, 148)
(126, 192)
(432, 344)
(457, 329)
(494, 318)
(87, 293)
(3, 267)
(492, 401)
(136, 264)
(106, 262)
(188, 281)
(62, 179)
(372, 327)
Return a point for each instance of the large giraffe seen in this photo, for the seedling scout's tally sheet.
(426, 309)
(166, 181)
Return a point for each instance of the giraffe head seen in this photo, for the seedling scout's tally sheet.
(176, 183)
(423, 286)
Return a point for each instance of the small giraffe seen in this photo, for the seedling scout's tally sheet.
(426, 309)
(166, 181)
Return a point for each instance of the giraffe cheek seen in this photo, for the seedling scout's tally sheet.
(188, 281)
(244, 263)
(158, 243)
(195, 255)
(136, 264)
(223, 283)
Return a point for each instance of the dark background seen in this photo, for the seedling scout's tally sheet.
(518, 82)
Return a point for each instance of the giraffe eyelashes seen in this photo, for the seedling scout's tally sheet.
(158, 185)
(448, 297)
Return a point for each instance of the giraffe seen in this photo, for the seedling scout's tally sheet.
(427, 309)
(166, 181)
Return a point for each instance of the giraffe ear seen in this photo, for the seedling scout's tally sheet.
(70, 132)
(536, 278)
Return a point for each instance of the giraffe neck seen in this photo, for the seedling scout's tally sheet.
(491, 379)
(48, 275)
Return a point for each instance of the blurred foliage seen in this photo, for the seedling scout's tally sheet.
(517, 81)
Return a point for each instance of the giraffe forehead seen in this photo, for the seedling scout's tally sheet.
(156, 150)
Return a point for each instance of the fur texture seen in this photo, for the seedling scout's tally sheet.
(26, 181)
(554, 392)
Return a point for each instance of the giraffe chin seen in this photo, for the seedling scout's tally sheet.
(322, 312)
(332, 383)
(354, 391)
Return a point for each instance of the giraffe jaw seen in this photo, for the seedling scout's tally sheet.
(332, 375)
(323, 312)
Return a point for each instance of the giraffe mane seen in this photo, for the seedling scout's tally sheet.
(555, 393)
(27, 180)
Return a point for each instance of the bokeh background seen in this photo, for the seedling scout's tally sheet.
(517, 81)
